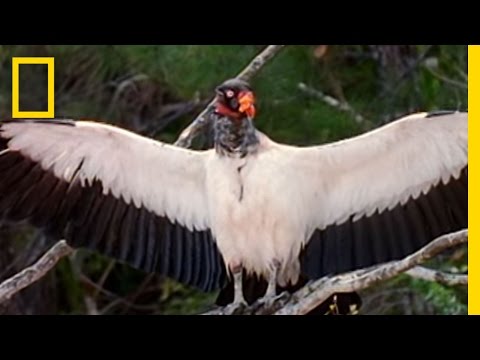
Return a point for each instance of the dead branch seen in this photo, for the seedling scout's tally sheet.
(329, 100)
(461, 85)
(35, 272)
(312, 295)
(103, 278)
(202, 120)
(420, 272)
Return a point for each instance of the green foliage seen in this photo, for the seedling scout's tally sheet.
(177, 299)
(70, 290)
(445, 300)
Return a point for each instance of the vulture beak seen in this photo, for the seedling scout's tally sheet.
(247, 100)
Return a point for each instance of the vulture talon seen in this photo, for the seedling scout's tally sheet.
(271, 300)
(235, 308)
(268, 303)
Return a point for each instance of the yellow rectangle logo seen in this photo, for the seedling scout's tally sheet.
(16, 62)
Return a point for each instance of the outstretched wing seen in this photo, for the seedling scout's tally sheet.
(385, 194)
(107, 189)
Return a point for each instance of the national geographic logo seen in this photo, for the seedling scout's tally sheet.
(16, 62)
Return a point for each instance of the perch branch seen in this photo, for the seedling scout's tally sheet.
(35, 272)
(312, 295)
(423, 273)
(329, 100)
(202, 120)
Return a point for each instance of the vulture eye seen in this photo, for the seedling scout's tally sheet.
(230, 94)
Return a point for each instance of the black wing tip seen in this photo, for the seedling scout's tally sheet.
(438, 113)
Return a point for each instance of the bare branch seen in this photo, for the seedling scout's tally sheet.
(462, 85)
(423, 273)
(202, 120)
(35, 272)
(103, 278)
(329, 100)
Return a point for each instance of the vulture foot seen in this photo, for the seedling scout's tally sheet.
(235, 308)
(270, 304)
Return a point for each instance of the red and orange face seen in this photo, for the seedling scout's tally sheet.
(235, 99)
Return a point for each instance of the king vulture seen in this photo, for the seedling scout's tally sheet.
(247, 207)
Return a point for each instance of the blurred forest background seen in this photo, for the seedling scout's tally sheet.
(158, 90)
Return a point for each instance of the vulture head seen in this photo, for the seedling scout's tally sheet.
(235, 99)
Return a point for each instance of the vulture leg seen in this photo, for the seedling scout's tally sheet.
(272, 281)
(238, 286)
(239, 301)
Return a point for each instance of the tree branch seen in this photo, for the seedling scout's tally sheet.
(420, 272)
(202, 120)
(447, 80)
(329, 100)
(35, 272)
